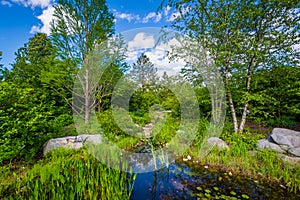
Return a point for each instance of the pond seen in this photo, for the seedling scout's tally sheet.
(183, 180)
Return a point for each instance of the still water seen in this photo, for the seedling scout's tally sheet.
(184, 180)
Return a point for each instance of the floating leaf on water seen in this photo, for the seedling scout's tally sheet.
(207, 195)
(200, 195)
(232, 193)
(199, 188)
(216, 188)
(245, 196)
(207, 191)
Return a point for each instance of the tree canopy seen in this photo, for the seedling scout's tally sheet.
(242, 36)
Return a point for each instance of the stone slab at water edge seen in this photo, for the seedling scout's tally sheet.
(283, 141)
(73, 142)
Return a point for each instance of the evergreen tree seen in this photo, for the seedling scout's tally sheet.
(143, 72)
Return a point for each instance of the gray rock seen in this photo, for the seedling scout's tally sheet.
(294, 151)
(284, 147)
(266, 144)
(94, 139)
(289, 159)
(286, 137)
(217, 142)
(73, 142)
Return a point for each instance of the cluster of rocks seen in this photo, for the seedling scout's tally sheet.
(73, 142)
(284, 141)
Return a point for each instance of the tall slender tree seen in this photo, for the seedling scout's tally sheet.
(78, 27)
(144, 72)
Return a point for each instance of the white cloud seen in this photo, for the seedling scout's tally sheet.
(126, 16)
(166, 10)
(131, 17)
(175, 13)
(173, 16)
(143, 43)
(34, 3)
(161, 61)
(152, 15)
(6, 3)
(46, 17)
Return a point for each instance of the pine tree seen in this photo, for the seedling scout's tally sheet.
(143, 72)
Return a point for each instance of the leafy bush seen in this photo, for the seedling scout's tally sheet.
(29, 119)
(284, 122)
(164, 132)
(142, 101)
(246, 139)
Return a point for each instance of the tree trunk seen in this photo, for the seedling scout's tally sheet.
(250, 72)
(231, 104)
(87, 98)
(233, 113)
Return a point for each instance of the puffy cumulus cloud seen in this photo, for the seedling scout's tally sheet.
(46, 17)
(126, 16)
(143, 43)
(156, 17)
(131, 17)
(34, 3)
(5, 3)
(140, 43)
(158, 57)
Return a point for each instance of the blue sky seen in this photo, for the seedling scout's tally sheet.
(20, 19)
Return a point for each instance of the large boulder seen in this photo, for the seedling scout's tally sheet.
(73, 142)
(266, 144)
(283, 141)
(286, 137)
(294, 151)
(217, 142)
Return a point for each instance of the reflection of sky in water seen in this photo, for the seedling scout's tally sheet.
(180, 181)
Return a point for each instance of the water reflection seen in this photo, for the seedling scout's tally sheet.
(184, 181)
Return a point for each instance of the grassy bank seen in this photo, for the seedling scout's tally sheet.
(65, 174)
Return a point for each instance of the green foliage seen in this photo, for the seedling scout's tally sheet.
(276, 93)
(245, 140)
(3, 70)
(140, 118)
(143, 72)
(141, 101)
(32, 112)
(75, 40)
(66, 174)
(31, 60)
(29, 119)
(284, 122)
(109, 126)
(165, 131)
(242, 38)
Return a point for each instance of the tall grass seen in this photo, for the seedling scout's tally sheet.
(66, 175)
(242, 158)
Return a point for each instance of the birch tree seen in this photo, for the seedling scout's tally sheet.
(242, 36)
